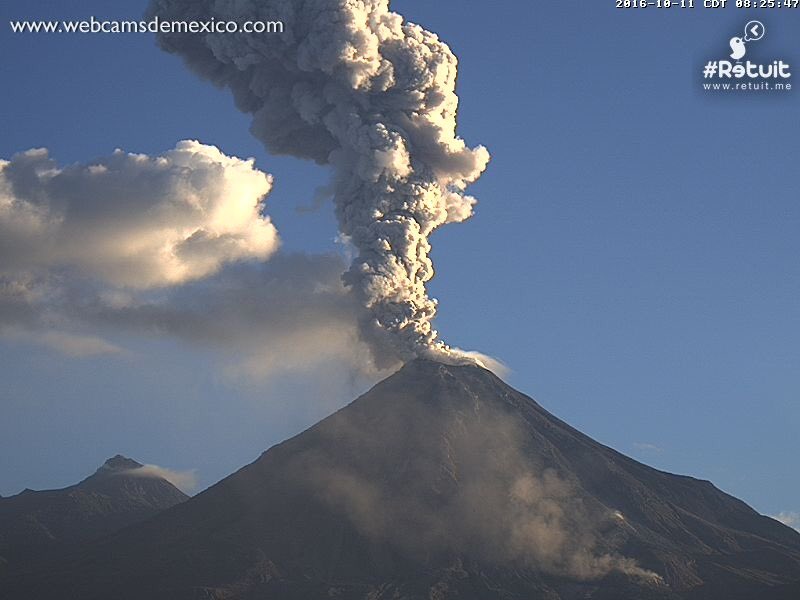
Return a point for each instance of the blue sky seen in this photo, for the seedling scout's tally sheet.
(633, 258)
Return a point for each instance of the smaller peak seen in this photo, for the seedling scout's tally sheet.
(119, 463)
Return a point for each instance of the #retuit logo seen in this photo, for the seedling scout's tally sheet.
(734, 73)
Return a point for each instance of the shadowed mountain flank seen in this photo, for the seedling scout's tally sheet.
(441, 482)
(36, 524)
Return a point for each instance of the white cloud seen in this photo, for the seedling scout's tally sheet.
(132, 220)
(186, 481)
(71, 344)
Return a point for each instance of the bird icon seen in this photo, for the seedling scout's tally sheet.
(738, 47)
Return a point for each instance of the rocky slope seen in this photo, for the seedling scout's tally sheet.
(35, 524)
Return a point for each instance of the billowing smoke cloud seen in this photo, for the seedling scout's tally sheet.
(350, 84)
(133, 220)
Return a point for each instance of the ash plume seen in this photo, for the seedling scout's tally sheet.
(475, 488)
(351, 85)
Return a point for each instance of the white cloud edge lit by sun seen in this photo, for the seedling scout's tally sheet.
(71, 345)
(789, 518)
(186, 481)
(134, 221)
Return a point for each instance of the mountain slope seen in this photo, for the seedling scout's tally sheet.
(441, 482)
(34, 524)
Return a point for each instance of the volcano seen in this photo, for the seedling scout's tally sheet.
(441, 482)
(36, 524)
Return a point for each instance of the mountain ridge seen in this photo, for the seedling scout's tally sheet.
(35, 524)
(442, 482)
